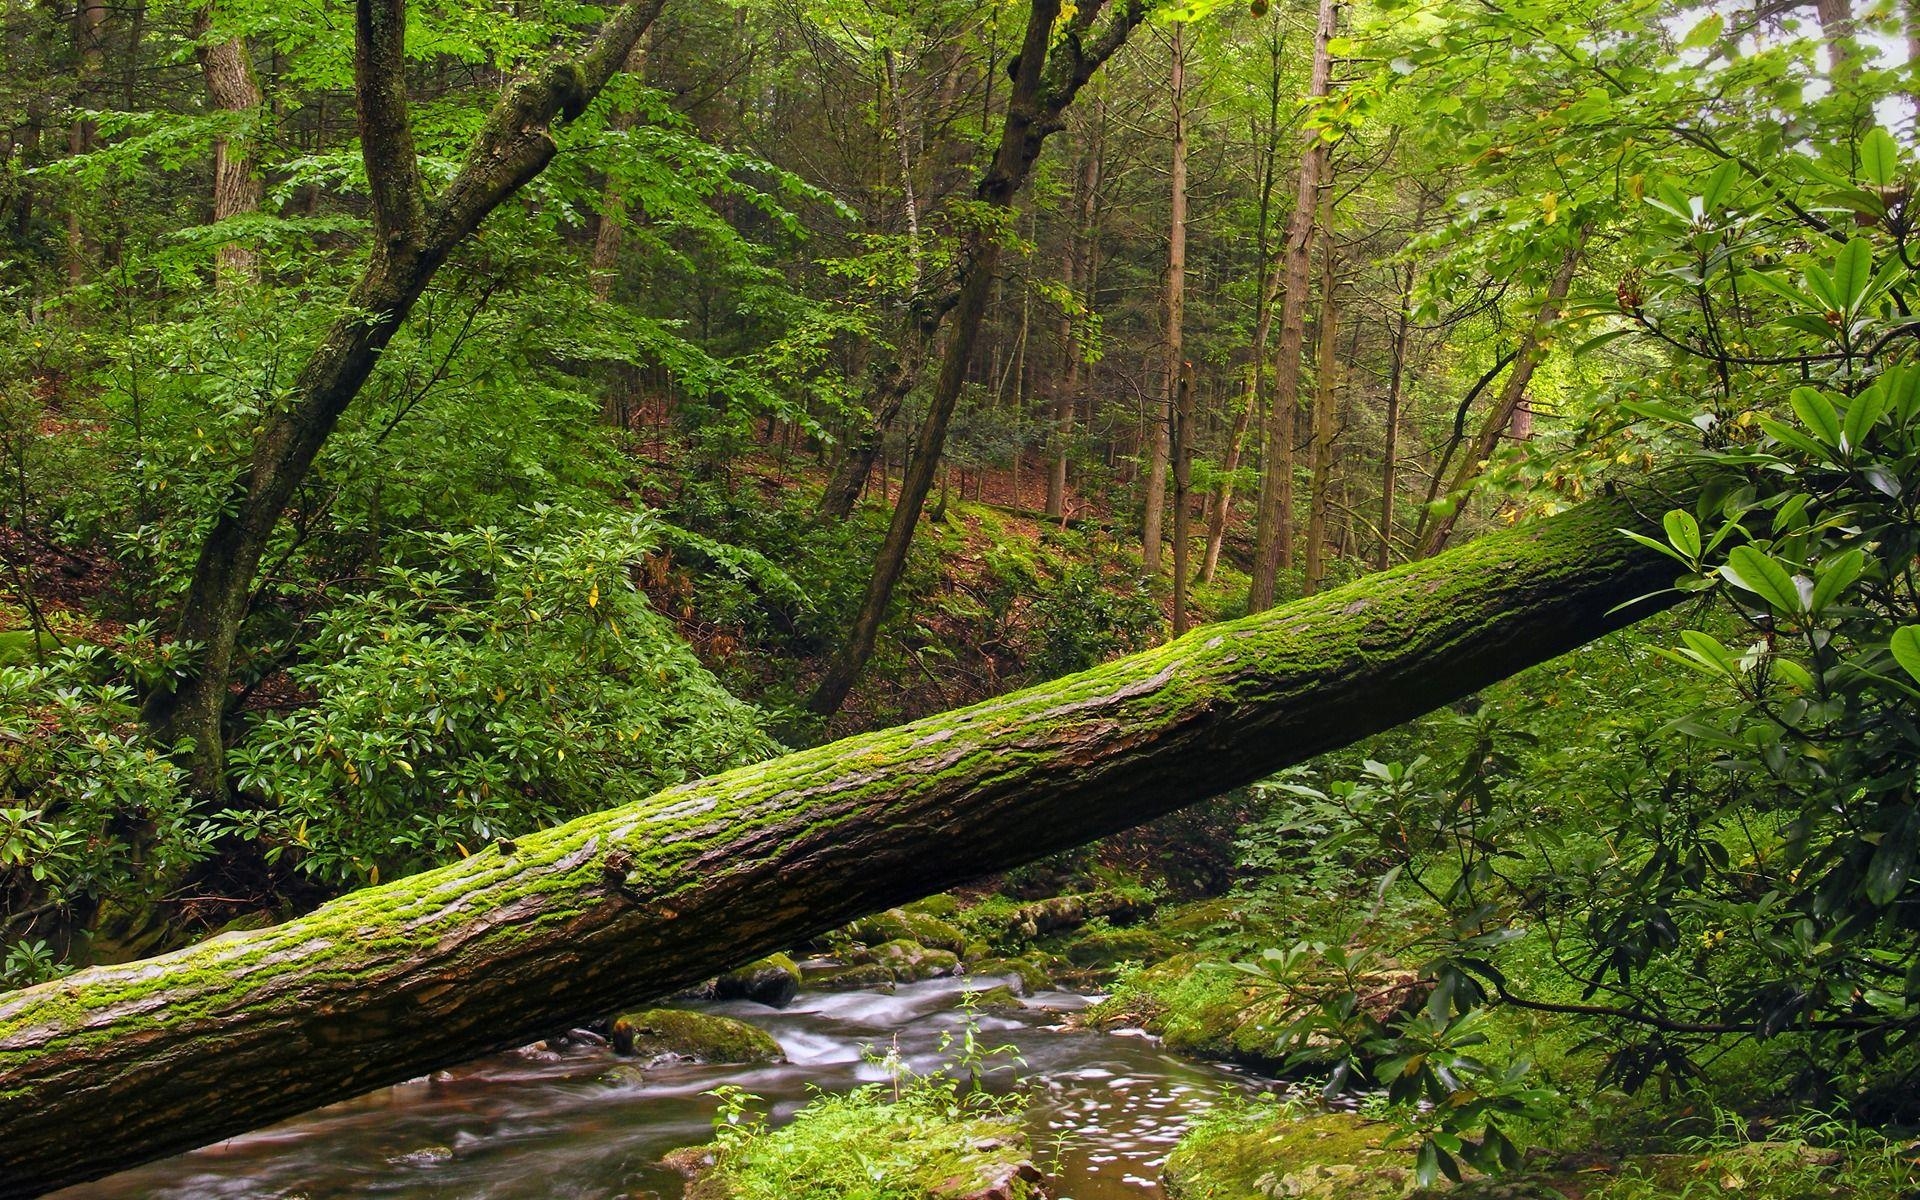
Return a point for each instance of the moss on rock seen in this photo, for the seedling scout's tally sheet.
(773, 981)
(863, 978)
(911, 961)
(1100, 948)
(1002, 998)
(1256, 1152)
(861, 1145)
(657, 1033)
(1030, 975)
(906, 925)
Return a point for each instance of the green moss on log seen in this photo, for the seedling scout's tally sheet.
(119, 1064)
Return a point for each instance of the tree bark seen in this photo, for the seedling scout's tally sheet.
(1156, 499)
(227, 68)
(1081, 246)
(89, 24)
(1182, 493)
(1326, 372)
(1500, 417)
(1396, 382)
(604, 260)
(1045, 84)
(412, 238)
(117, 1065)
(1270, 267)
(1273, 537)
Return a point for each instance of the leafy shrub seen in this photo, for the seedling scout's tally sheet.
(92, 807)
(493, 681)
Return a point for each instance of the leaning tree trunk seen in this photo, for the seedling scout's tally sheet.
(1046, 82)
(117, 1065)
(412, 237)
(1533, 349)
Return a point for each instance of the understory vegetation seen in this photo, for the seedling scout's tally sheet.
(373, 494)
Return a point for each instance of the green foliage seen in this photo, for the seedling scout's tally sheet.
(84, 783)
(921, 1135)
(495, 680)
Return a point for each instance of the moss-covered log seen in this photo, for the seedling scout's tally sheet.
(117, 1065)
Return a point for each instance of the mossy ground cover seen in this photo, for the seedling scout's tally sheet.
(1256, 1151)
(928, 1141)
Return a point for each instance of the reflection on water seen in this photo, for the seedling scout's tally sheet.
(579, 1124)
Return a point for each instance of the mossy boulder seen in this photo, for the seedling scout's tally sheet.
(1056, 914)
(1203, 1011)
(995, 999)
(773, 981)
(909, 960)
(942, 906)
(879, 928)
(906, 925)
(1265, 1151)
(1030, 975)
(1101, 948)
(661, 1033)
(867, 977)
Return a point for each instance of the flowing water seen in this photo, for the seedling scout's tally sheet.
(577, 1123)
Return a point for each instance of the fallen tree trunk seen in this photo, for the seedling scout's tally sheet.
(117, 1065)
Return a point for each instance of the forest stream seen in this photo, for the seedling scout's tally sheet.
(579, 1123)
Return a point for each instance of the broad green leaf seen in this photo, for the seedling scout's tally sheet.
(1787, 435)
(1656, 544)
(1719, 184)
(1658, 411)
(1879, 157)
(1852, 272)
(1793, 673)
(1706, 33)
(1887, 873)
(1817, 414)
(1861, 416)
(1763, 575)
(1906, 649)
(1836, 575)
(1683, 532)
(1707, 649)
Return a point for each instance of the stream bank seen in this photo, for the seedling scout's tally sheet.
(576, 1122)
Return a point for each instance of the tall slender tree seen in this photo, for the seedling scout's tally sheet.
(1162, 421)
(1325, 401)
(227, 66)
(1273, 544)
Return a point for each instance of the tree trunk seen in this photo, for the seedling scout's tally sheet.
(1182, 493)
(117, 1065)
(1326, 370)
(89, 23)
(1270, 267)
(412, 237)
(1396, 383)
(889, 385)
(1273, 540)
(604, 259)
(1046, 83)
(231, 86)
(1081, 247)
(1532, 349)
(1150, 528)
